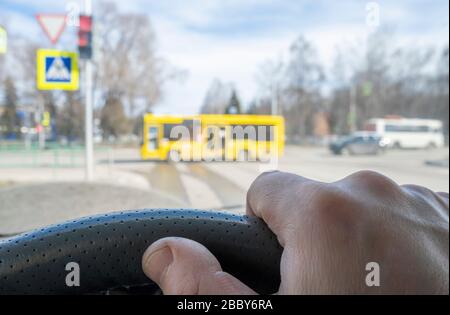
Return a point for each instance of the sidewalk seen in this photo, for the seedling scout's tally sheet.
(103, 174)
(25, 207)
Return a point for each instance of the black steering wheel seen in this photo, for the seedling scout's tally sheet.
(108, 250)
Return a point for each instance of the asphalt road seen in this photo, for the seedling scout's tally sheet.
(224, 184)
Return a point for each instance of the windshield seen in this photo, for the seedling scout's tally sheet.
(182, 104)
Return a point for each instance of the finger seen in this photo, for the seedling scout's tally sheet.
(427, 196)
(183, 266)
(277, 198)
(443, 195)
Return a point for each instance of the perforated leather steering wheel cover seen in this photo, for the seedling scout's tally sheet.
(109, 247)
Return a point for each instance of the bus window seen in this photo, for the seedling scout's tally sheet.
(215, 137)
(392, 128)
(253, 132)
(167, 134)
(243, 132)
(406, 128)
(152, 138)
(266, 133)
(172, 135)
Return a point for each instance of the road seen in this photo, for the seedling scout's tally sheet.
(41, 196)
(224, 185)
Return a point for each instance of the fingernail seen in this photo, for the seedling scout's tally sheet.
(156, 263)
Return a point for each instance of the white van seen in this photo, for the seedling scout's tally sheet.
(408, 133)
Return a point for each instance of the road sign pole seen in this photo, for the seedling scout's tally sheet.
(89, 145)
(89, 122)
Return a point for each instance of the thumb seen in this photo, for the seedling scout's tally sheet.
(183, 266)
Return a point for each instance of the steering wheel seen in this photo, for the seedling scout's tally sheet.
(108, 249)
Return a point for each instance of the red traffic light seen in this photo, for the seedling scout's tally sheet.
(84, 39)
(85, 23)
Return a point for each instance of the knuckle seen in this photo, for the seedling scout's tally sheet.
(368, 175)
(374, 182)
(255, 187)
(268, 188)
(263, 176)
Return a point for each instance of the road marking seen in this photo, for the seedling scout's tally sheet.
(166, 178)
(241, 174)
(199, 192)
(227, 191)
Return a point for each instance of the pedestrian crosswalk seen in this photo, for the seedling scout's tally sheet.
(201, 185)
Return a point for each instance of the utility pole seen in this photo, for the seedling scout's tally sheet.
(89, 145)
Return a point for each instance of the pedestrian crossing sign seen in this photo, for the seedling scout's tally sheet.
(57, 70)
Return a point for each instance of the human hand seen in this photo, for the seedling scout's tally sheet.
(329, 233)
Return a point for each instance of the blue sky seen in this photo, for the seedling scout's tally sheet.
(229, 39)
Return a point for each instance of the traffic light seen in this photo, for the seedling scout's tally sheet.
(85, 37)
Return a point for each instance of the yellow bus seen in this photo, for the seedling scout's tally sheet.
(212, 137)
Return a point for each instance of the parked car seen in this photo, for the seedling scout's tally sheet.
(358, 144)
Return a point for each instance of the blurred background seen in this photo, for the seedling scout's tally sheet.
(347, 76)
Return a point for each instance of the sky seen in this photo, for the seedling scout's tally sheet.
(230, 39)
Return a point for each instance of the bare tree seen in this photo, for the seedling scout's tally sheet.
(217, 98)
(295, 86)
(126, 57)
(305, 77)
(129, 73)
(387, 79)
(271, 81)
(260, 106)
(113, 120)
